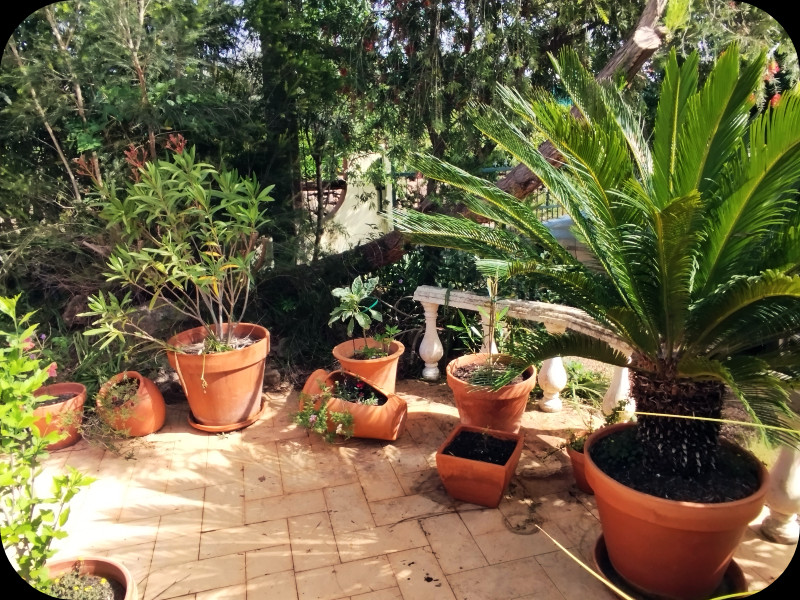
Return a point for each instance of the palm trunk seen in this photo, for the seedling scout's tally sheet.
(677, 446)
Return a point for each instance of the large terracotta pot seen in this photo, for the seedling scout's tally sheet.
(223, 388)
(384, 422)
(579, 470)
(380, 372)
(100, 567)
(473, 480)
(65, 416)
(141, 415)
(502, 409)
(668, 548)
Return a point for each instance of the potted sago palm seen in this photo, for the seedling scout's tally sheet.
(189, 238)
(29, 519)
(696, 227)
(374, 359)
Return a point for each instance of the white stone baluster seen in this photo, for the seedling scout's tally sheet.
(783, 498)
(552, 379)
(430, 348)
(619, 390)
(488, 346)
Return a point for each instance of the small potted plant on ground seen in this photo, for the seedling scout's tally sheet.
(190, 238)
(372, 413)
(472, 376)
(29, 520)
(374, 359)
(131, 403)
(475, 464)
(60, 409)
(695, 229)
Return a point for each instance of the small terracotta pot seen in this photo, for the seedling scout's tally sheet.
(384, 422)
(223, 388)
(143, 414)
(99, 567)
(501, 410)
(578, 470)
(473, 480)
(668, 548)
(379, 372)
(69, 412)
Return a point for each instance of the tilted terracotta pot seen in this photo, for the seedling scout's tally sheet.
(380, 372)
(65, 416)
(665, 547)
(579, 470)
(141, 415)
(473, 480)
(501, 410)
(223, 388)
(384, 422)
(100, 567)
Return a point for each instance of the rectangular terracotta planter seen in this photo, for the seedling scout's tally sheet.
(476, 481)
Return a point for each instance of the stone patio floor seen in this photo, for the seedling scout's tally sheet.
(273, 512)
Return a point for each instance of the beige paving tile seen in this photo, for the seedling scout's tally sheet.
(452, 543)
(570, 578)
(185, 522)
(140, 503)
(426, 483)
(348, 508)
(241, 539)
(176, 549)
(355, 545)
(313, 544)
(268, 560)
(378, 480)
(404, 456)
(514, 579)
(197, 576)
(345, 579)
(153, 473)
(275, 586)
(188, 471)
(231, 592)
(766, 560)
(136, 558)
(393, 510)
(387, 594)
(262, 476)
(100, 536)
(419, 576)
(224, 505)
(498, 544)
(281, 507)
(305, 467)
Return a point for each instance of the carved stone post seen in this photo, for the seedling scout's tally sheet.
(783, 498)
(619, 390)
(552, 379)
(430, 348)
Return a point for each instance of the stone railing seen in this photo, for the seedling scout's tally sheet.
(556, 318)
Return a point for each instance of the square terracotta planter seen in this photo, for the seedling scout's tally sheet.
(477, 481)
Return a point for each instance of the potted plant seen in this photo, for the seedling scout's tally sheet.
(697, 240)
(29, 520)
(471, 377)
(91, 578)
(475, 464)
(374, 359)
(59, 408)
(131, 403)
(190, 239)
(371, 413)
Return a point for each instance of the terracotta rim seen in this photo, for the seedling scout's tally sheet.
(232, 426)
(108, 567)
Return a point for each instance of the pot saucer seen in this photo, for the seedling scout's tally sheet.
(231, 427)
(733, 581)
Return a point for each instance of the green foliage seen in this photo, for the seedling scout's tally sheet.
(583, 383)
(316, 419)
(190, 239)
(696, 234)
(29, 520)
(350, 310)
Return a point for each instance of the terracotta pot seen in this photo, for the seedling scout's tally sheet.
(223, 388)
(65, 417)
(473, 480)
(384, 422)
(141, 415)
(100, 567)
(578, 470)
(501, 410)
(664, 547)
(380, 372)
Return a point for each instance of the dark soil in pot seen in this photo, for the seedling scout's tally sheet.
(353, 389)
(619, 455)
(75, 586)
(482, 447)
(57, 399)
(479, 374)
